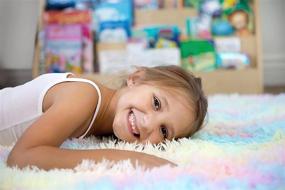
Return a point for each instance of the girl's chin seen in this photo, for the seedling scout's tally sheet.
(122, 137)
(119, 128)
(118, 134)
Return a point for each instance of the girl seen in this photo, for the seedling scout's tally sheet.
(155, 104)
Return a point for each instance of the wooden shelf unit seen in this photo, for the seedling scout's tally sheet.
(245, 81)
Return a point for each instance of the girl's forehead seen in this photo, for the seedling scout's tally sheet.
(177, 93)
(176, 96)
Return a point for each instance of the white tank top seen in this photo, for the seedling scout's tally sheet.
(20, 106)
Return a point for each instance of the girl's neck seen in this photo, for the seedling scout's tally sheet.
(103, 124)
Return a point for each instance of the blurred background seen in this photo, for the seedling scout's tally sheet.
(235, 45)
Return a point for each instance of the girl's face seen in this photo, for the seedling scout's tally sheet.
(146, 113)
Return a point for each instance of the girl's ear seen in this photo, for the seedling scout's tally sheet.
(135, 78)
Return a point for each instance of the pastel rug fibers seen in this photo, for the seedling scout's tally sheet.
(242, 146)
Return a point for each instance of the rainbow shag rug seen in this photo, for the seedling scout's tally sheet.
(241, 147)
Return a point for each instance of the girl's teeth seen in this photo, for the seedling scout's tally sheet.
(132, 121)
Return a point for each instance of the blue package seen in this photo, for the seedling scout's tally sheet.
(114, 25)
(163, 31)
(222, 28)
(232, 60)
(59, 4)
(114, 14)
(115, 10)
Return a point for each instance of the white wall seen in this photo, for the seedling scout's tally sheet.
(18, 25)
(18, 20)
(272, 13)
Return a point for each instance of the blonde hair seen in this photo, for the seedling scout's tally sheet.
(176, 77)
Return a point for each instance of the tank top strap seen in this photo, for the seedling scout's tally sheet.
(98, 104)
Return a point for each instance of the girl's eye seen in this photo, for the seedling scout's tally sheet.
(164, 131)
(156, 103)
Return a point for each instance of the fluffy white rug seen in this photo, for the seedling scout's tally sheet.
(241, 147)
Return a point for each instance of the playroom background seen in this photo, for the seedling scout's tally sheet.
(216, 39)
(206, 34)
(22, 28)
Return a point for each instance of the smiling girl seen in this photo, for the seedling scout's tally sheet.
(153, 105)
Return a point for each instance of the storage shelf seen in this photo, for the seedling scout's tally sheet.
(164, 16)
(249, 80)
(242, 81)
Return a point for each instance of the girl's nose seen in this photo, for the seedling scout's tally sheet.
(150, 124)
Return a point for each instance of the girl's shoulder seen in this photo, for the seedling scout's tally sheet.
(75, 90)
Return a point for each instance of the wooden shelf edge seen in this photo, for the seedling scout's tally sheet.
(245, 81)
(162, 16)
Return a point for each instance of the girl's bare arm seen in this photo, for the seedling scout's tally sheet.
(48, 157)
(39, 145)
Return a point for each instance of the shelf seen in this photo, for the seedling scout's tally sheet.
(110, 46)
(249, 46)
(242, 81)
(163, 16)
